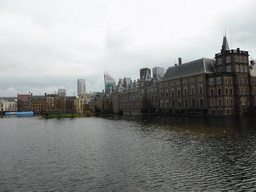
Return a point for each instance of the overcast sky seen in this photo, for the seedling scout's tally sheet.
(48, 44)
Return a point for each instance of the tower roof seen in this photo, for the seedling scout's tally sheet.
(225, 43)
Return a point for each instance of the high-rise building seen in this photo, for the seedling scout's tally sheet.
(62, 92)
(109, 82)
(158, 72)
(81, 87)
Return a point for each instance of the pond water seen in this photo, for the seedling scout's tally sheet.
(127, 154)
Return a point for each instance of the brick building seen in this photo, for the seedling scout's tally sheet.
(225, 85)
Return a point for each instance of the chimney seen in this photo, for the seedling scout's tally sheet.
(175, 64)
(180, 62)
(238, 50)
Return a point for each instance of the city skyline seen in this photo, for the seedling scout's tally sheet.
(48, 45)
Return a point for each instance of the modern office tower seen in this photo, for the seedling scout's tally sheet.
(158, 72)
(109, 82)
(81, 87)
(62, 92)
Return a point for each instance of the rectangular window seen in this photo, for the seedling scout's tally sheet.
(172, 92)
(179, 102)
(219, 102)
(178, 82)
(241, 68)
(211, 82)
(192, 80)
(228, 68)
(167, 103)
(213, 103)
(200, 79)
(192, 90)
(226, 91)
(218, 81)
(228, 59)
(166, 93)
(185, 91)
(236, 58)
(226, 102)
(178, 91)
(184, 81)
(211, 92)
(173, 103)
(219, 91)
(185, 102)
(200, 89)
(193, 102)
(201, 102)
(231, 91)
(231, 102)
(161, 103)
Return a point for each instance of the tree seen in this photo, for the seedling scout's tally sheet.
(146, 105)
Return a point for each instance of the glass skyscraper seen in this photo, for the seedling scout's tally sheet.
(81, 87)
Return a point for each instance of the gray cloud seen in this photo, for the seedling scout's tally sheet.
(46, 45)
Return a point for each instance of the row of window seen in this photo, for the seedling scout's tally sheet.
(185, 91)
(130, 98)
(227, 81)
(192, 80)
(240, 59)
(228, 102)
(220, 111)
(227, 92)
(185, 103)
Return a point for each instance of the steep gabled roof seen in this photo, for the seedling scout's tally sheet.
(196, 67)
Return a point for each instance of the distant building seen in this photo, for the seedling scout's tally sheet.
(125, 81)
(62, 92)
(8, 104)
(109, 82)
(24, 102)
(145, 73)
(158, 72)
(38, 103)
(81, 87)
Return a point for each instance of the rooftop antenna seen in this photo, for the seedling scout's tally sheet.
(243, 39)
(230, 38)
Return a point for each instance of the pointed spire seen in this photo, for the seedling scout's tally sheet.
(225, 43)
